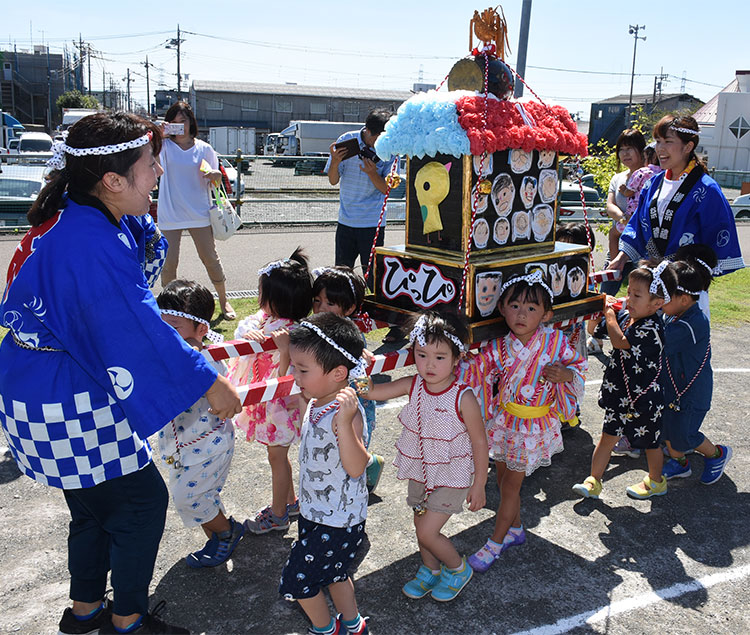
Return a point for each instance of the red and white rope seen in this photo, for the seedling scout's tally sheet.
(394, 171)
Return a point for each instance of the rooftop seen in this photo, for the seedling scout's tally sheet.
(706, 114)
(299, 90)
(644, 98)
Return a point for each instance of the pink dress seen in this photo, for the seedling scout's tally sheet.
(434, 447)
(275, 422)
(636, 182)
(525, 441)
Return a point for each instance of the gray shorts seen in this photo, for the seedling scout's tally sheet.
(446, 500)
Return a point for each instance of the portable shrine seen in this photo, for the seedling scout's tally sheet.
(482, 184)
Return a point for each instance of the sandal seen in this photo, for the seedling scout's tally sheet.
(228, 314)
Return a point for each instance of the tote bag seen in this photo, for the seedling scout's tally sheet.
(224, 220)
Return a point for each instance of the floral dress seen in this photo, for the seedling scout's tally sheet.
(275, 422)
(523, 412)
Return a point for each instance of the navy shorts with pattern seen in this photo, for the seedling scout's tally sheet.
(320, 556)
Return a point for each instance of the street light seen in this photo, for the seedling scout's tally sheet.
(633, 30)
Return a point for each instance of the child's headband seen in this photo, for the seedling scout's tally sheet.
(535, 277)
(213, 336)
(688, 292)
(657, 282)
(276, 264)
(360, 365)
(712, 271)
(419, 330)
(336, 272)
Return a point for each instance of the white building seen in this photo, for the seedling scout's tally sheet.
(725, 129)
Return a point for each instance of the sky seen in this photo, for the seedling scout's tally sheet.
(579, 51)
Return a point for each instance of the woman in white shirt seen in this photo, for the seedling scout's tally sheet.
(185, 200)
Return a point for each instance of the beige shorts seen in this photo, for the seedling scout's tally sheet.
(446, 500)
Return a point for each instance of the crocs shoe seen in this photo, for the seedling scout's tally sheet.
(714, 468)
(361, 629)
(647, 488)
(421, 585)
(622, 447)
(486, 556)
(219, 547)
(71, 625)
(452, 582)
(673, 469)
(590, 488)
(266, 521)
(373, 472)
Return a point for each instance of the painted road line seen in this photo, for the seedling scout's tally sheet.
(638, 602)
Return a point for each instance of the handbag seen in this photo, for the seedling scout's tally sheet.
(224, 219)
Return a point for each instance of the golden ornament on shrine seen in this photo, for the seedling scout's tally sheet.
(485, 187)
(393, 181)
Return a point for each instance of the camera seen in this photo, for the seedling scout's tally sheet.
(174, 129)
(368, 153)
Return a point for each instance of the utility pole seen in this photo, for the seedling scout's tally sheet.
(523, 43)
(88, 59)
(128, 80)
(104, 88)
(81, 57)
(174, 43)
(633, 30)
(148, 89)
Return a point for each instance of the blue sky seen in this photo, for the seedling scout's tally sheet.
(388, 45)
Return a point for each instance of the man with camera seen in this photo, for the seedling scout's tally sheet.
(354, 164)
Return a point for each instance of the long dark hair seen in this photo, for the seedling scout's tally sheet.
(81, 174)
(670, 122)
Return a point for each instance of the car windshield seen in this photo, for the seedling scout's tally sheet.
(19, 188)
(35, 145)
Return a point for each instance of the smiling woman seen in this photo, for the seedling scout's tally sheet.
(91, 370)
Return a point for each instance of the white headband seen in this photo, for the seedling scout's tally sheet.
(715, 271)
(277, 264)
(687, 292)
(360, 365)
(418, 334)
(658, 282)
(336, 272)
(60, 149)
(535, 277)
(213, 336)
(685, 130)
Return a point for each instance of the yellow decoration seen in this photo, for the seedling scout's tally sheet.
(205, 167)
(490, 27)
(485, 187)
(393, 181)
(432, 184)
(525, 412)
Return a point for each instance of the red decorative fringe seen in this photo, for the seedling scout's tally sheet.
(554, 129)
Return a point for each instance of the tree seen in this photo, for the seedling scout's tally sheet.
(76, 99)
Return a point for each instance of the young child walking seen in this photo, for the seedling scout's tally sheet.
(631, 394)
(541, 379)
(197, 446)
(285, 296)
(442, 451)
(325, 353)
(341, 291)
(688, 380)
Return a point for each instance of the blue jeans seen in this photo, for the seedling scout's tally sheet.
(116, 525)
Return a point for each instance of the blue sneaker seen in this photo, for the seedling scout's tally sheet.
(219, 547)
(714, 468)
(421, 585)
(673, 469)
(373, 472)
(452, 582)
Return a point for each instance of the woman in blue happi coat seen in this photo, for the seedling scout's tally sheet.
(89, 370)
(680, 206)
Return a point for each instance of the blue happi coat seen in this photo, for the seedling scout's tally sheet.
(703, 217)
(89, 370)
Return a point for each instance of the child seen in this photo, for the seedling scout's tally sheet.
(441, 445)
(541, 380)
(285, 296)
(341, 291)
(703, 259)
(688, 381)
(630, 394)
(197, 446)
(325, 355)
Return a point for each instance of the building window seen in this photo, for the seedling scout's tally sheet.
(283, 105)
(249, 104)
(214, 103)
(739, 127)
(318, 108)
(599, 113)
(351, 109)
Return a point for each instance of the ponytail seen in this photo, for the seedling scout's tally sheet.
(49, 201)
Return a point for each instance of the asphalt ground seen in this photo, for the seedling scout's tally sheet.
(679, 562)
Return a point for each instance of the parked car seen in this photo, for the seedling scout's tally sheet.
(19, 187)
(569, 207)
(232, 176)
(13, 145)
(741, 206)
